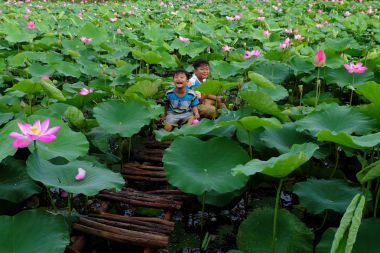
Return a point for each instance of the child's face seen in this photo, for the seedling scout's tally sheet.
(180, 80)
(202, 72)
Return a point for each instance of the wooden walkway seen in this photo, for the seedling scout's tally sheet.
(148, 232)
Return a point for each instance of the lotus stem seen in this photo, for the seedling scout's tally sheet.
(377, 199)
(352, 90)
(368, 188)
(274, 234)
(250, 145)
(51, 200)
(317, 88)
(323, 222)
(336, 161)
(129, 148)
(203, 209)
(69, 206)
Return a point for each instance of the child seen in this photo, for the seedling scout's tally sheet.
(181, 102)
(207, 107)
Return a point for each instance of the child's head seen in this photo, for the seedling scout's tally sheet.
(180, 78)
(201, 69)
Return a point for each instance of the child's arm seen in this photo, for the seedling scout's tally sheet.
(195, 111)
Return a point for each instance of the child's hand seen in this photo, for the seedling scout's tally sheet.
(196, 115)
(162, 117)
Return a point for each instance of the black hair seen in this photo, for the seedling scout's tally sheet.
(181, 71)
(200, 62)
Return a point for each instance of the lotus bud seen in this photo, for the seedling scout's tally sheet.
(194, 121)
(320, 59)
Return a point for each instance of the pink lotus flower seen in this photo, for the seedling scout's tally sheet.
(85, 40)
(249, 54)
(85, 91)
(80, 14)
(118, 30)
(113, 19)
(309, 10)
(30, 133)
(320, 11)
(45, 77)
(31, 25)
(131, 13)
(26, 17)
(227, 48)
(194, 121)
(320, 58)
(81, 174)
(266, 34)
(285, 43)
(183, 39)
(355, 68)
(237, 17)
(230, 18)
(347, 14)
(298, 37)
(318, 25)
(260, 19)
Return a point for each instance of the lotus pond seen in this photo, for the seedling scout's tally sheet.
(291, 166)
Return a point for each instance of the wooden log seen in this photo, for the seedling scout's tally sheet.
(143, 178)
(151, 151)
(156, 144)
(125, 232)
(143, 166)
(159, 230)
(147, 220)
(139, 172)
(148, 158)
(139, 202)
(121, 238)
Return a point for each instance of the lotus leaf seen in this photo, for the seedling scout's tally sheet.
(275, 72)
(145, 88)
(222, 69)
(63, 176)
(344, 139)
(336, 119)
(68, 69)
(280, 166)
(250, 123)
(26, 232)
(5, 117)
(197, 167)
(39, 70)
(51, 90)
(15, 184)
(263, 103)
(255, 233)
(369, 173)
(277, 93)
(317, 195)
(283, 138)
(343, 79)
(27, 86)
(260, 80)
(98, 34)
(202, 128)
(370, 90)
(125, 119)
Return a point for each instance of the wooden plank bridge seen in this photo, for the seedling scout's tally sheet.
(148, 232)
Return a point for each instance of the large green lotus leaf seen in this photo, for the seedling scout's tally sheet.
(300, 64)
(39, 70)
(367, 240)
(260, 80)
(15, 184)
(68, 69)
(63, 176)
(338, 44)
(283, 138)
(146, 88)
(317, 195)
(263, 103)
(125, 119)
(197, 167)
(33, 230)
(126, 69)
(97, 34)
(5, 117)
(156, 33)
(280, 166)
(210, 87)
(275, 72)
(344, 139)
(255, 233)
(202, 128)
(222, 69)
(370, 90)
(250, 123)
(333, 60)
(370, 110)
(15, 35)
(27, 86)
(68, 144)
(192, 49)
(6, 148)
(336, 119)
(277, 93)
(369, 173)
(216, 199)
(342, 78)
